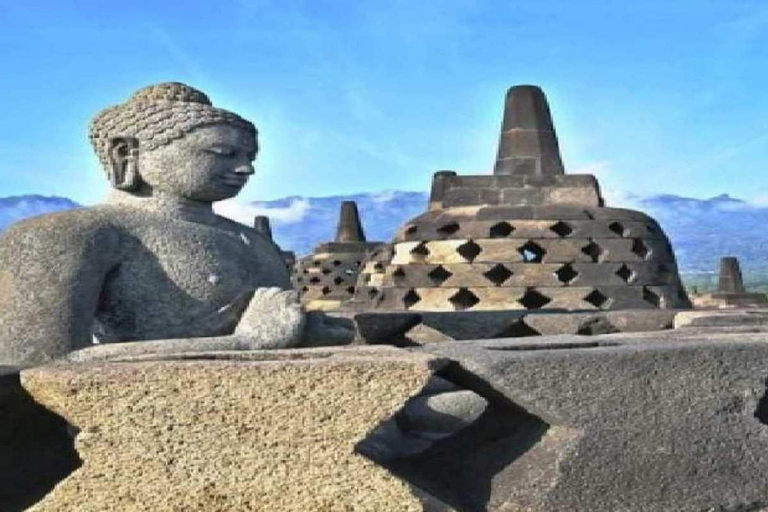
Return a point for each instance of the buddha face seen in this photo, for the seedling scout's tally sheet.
(207, 164)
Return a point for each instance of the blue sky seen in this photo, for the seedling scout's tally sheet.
(356, 96)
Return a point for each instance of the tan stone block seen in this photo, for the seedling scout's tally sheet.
(533, 274)
(434, 299)
(266, 431)
(498, 250)
(445, 251)
(498, 298)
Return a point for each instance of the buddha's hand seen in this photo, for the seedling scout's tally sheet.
(274, 318)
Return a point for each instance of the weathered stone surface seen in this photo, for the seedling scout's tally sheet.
(269, 430)
(722, 318)
(528, 144)
(36, 450)
(607, 424)
(390, 328)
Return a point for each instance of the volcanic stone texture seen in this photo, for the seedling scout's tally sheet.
(231, 432)
(673, 421)
(36, 450)
(525, 258)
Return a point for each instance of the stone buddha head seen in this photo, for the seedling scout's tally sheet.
(168, 139)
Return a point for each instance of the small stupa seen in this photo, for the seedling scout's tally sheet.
(731, 292)
(528, 237)
(262, 225)
(327, 278)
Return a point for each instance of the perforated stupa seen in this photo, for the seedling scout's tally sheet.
(527, 237)
(327, 278)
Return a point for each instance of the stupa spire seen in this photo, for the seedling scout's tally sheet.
(261, 224)
(528, 143)
(730, 280)
(350, 229)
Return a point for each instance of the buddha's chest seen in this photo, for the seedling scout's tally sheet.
(195, 265)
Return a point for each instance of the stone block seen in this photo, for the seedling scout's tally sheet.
(602, 424)
(36, 448)
(272, 430)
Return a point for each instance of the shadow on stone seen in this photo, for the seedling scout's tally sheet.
(473, 469)
(761, 412)
(36, 450)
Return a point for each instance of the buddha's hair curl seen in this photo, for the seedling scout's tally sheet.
(157, 115)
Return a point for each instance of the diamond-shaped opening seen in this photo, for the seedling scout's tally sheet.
(498, 274)
(593, 251)
(351, 290)
(639, 248)
(626, 274)
(410, 230)
(379, 266)
(561, 228)
(469, 250)
(618, 228)
(410, 299)
(566, 274)
(326, 271)
(532, 299)
(314, 279)
(336, 263)
(439, 275)
(651, 297)
(517, 329)
(501, 230)
(338, 280)
(420, 251)
(448, 229)
(372, 293)
(399, 273)
(304, 288)
(463, 299)
(597, 299)
(305, 271)
(317, 263)
(325, 290)
(532, 252)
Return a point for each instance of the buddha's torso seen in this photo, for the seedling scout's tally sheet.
(173, 275)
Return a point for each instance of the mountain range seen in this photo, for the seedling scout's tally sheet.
(701, 230)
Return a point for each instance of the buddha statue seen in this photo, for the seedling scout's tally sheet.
(153, 261)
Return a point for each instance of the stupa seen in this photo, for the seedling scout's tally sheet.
(526, 238)
(731, 292)
(326, 279)
(262, 225)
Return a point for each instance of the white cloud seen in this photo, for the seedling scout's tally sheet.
(245, 212)
(614, 195)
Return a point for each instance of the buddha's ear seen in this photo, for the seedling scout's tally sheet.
(124, 163)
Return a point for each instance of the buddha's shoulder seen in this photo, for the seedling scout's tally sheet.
(87, 224)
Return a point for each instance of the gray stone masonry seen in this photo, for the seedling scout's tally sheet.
(656, 422)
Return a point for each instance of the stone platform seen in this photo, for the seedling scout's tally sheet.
(272, 430)
(666, 421)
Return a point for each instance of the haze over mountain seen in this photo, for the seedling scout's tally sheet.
(701, 230)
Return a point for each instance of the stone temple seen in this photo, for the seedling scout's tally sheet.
(527, 238)
(327, 278)
(731, 292)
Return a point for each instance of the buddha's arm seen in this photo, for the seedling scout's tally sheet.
(52, 269)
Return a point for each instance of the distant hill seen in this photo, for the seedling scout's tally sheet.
(702, 230)
(20, 207)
